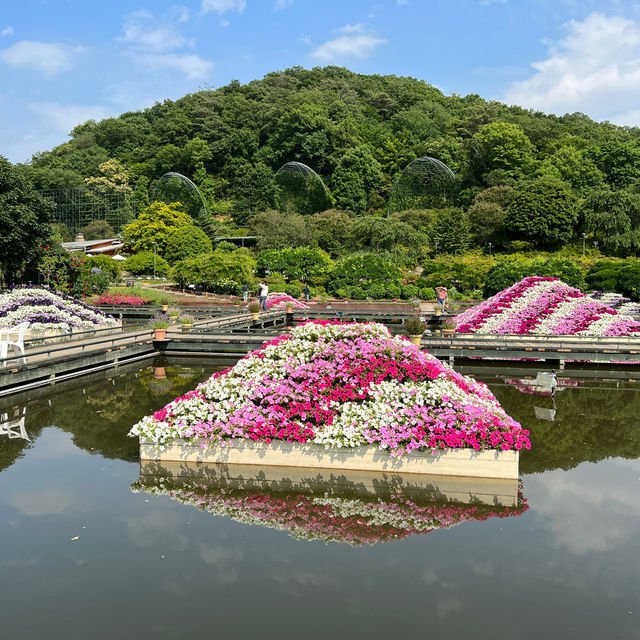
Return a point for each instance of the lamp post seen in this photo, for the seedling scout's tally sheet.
(490, 246)
(584, 242)
(154, 260)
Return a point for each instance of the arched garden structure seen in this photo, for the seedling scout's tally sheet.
(424, 183)
(174, 187)
(301, 189)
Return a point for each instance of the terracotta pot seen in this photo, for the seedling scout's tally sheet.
(159, 334)
(159, 373)
(448, 333)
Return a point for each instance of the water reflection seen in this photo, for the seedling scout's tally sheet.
(352, 507)
(12, 424)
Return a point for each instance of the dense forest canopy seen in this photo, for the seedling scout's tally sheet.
(358, 132)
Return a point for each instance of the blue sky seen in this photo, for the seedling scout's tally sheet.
(64, 61)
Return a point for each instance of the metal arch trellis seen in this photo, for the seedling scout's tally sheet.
(303, 169)
(422, 179)
(191, 186)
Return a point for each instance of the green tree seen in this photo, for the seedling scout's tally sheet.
(299, 263)
(502, 152)
(186, 242)
(218, 271)
(543, 212)
(24, 221)
(451, 231)
(486, 223)
(142, 264)
(277, 230)
(154, 226)
(330, 230)
(619, 160)
(613, 219)
(356, 175)
(371, 233)
(365, 274)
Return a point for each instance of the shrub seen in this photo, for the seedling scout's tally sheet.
(97, 230)
(141, 264)
(299, 263)
(155, 225)
(364, 271)
(109, 266)
(187, 242)
(218, 271)
(414, 326)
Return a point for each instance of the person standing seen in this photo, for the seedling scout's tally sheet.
(306, 292)
(245, 292)
(264, 293)
(441, 296)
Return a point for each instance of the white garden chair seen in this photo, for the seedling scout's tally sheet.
(12, 337)
(14, 427)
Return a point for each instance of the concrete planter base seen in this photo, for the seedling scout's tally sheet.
(452, 462)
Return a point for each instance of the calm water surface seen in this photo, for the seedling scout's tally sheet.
(85, 554)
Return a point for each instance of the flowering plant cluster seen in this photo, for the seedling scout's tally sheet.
(354, 520)
(545, 306)
(119, 298)
(340, 384)
(45, 309)
(617, 301)
(281, 300)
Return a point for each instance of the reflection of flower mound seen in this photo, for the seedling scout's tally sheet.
(530, 387)
(545, 306)
(341, 385)
(46, 309)
(353, 520)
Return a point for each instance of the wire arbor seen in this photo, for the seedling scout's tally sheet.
(174, 187)
(76, 208)
(301, 189)
(425, 183)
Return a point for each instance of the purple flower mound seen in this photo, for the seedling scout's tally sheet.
(44, 309)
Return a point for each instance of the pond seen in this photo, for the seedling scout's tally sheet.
(91, 549)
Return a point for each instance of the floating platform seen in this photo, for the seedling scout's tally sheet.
(451, 462)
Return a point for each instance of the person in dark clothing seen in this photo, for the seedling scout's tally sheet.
(306, 292)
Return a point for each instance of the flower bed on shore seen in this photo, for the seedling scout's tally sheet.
(45, 309)
(352, 520)
(340, 384)
(281, 300)
(120, 299)
(545, 306)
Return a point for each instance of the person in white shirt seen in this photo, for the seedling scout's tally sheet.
(264, 293)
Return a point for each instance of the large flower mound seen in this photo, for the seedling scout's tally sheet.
(45, 309)
(545, 306)
(281, 300)
(340, 385)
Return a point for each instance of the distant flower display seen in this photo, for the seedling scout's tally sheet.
(340, 384)
(545, 306)
(351, 520)
(281, 300)
(121, 300)
(45, 309)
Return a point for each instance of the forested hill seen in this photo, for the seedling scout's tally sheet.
(357, 131)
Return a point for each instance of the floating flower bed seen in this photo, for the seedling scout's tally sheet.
(47, 311)
(340, 385)
(344, 519)
(121, 299)
(545, 306)
(281, 300)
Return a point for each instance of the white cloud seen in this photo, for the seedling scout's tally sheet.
(222, 6)
(66, 117)
(354, 44)
(282, 4)
(595, 70)
(48, 57)
(141, 29)
(401, 3)
(193, 66)
(7, 31)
